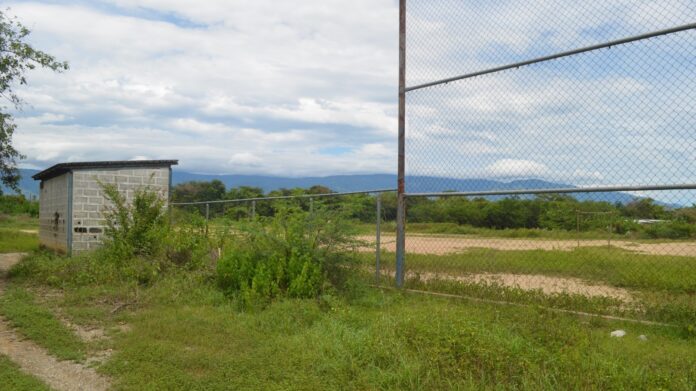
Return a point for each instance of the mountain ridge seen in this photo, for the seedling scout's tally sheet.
(348, 183)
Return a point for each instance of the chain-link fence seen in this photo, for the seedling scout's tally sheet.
(370, 215)
(546, 154)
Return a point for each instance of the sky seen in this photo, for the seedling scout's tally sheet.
(246, 87)
(309, 88)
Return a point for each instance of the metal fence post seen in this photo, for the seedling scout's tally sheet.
(378, 234)
(207, 217)
(311, 205)
(253, 210)
(401, 199)
(577, 225)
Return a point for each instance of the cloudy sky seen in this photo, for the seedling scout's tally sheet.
(308, 87)
(284, 88)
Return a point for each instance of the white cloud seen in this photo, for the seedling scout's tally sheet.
(274, 81)
(268, 87)
(511, 168)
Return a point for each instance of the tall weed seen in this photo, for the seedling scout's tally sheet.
(295, 253)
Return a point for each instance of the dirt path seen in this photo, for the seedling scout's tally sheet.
(549, 285)
(440, 245)
(60, 375)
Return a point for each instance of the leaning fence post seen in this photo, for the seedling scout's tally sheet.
(377, 237)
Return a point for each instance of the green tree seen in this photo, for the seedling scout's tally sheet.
(244, 192)
(16, 58)
(644, 208)
(195, 191)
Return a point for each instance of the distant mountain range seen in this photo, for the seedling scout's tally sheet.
(347, 183)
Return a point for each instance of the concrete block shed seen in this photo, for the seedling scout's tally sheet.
(71, 202)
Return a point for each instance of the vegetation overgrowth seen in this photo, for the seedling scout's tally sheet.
(642, 218)
(218, 309)
(294, 253)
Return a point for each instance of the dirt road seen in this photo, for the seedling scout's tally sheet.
(440, 245)
(33, 359)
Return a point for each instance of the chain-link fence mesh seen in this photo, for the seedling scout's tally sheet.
(615, 122)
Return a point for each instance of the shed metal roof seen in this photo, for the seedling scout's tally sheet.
(62, 168)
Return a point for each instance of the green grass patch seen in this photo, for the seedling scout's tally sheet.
(12, 240)
(19, 221)
(389, 227)
(391, 341)
(39, 324)
(186, 334)
(13, 379)
(526, 233)
(613, 266)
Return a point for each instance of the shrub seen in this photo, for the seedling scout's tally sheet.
(295, 253)
(141, 229)
(670, 230)
(138, 228)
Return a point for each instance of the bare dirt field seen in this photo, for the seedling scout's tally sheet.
(530, 282)
(441, 245)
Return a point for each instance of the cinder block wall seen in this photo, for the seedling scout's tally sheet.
(89, 202)
(53, 213)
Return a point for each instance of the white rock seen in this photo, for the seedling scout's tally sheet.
(643, 338)
(618, 333)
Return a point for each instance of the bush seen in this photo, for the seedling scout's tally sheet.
(670, 230)
(138, 228)
(141, 229)
(295, 254)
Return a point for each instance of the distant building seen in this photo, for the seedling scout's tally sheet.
(647, 221)
(71, 202)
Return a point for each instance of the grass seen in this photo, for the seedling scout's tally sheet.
(391, 341)
(446, 229)
(664, 286)
(13, 379)
(12, 239)
(613, 266)
(38, 323)
(15, 241)
(19, 221)
(184, 333)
